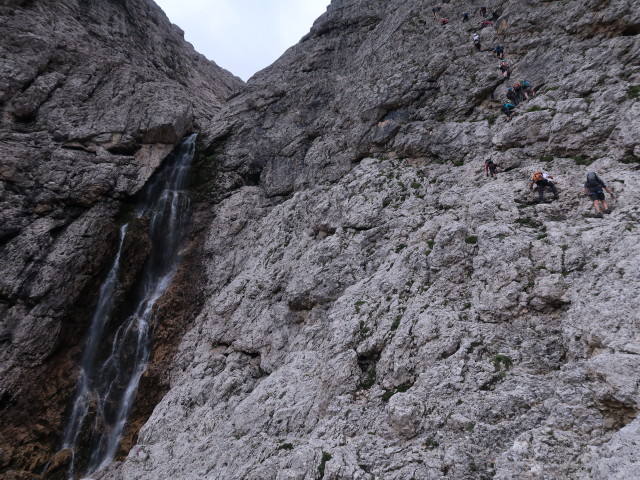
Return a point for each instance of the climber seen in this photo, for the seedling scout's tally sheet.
(465, 16)
(490, 169)
(482, 11)
(517, 88)
(485, 23)
(495, 15)
(499, 51)
(507, 109)
(541, 180)
(504, 68)
(511, 96)
(444, 21)
(594, 187)
(476, 41)
(435, 10)
(527, 89)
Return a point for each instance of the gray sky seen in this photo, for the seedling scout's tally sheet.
(243, 36)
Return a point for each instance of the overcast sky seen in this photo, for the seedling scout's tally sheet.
(243, 36)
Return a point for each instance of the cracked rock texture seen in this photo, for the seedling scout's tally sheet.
(93, 96)
(375, 307)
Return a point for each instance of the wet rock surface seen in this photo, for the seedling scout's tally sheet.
(93, 96)
(375, 307)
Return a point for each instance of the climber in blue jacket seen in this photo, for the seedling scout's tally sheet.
(507, 109)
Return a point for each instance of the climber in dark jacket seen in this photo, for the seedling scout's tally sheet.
(499, 51)
(511, 96)
(527, 89)
(517, 88)
(594, 187)
(465, 16)
(490, 169)
(504, 68)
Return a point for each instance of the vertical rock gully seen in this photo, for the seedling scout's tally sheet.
(108, 386)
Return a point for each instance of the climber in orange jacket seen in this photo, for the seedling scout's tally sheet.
(541, 180)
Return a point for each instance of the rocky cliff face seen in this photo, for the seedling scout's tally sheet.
(375, 307)
(93, 96)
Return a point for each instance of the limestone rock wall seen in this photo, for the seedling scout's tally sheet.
(93, 96)
(375, 307)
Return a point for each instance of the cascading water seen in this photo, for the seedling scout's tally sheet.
(107, 387)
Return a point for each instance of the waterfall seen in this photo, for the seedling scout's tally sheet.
(107, 386)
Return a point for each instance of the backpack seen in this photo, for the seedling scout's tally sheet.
(593, 181)
(537, 177)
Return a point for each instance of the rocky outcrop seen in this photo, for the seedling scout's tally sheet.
(375, 307)
(93, 96)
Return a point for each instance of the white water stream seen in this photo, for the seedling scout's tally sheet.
(107, 386)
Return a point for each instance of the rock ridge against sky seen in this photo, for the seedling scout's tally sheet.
(243, 36)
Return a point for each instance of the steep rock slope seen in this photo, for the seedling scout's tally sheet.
(376, 307)
(93, 96)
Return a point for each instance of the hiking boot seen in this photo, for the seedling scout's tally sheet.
(599, 215)
(607, 212)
